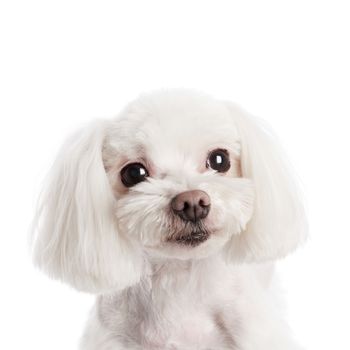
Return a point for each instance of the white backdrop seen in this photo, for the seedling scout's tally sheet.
(66, 62)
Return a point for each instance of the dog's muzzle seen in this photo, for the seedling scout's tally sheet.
(192, 207)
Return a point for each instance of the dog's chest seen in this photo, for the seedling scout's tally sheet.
(184, 311)
(173, 310)
(190, 329)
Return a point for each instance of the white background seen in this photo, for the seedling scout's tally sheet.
(66, 62)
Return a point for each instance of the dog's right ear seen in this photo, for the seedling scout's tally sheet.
(76, 237)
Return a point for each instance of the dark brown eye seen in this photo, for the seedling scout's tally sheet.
(132, 174)
(219, 160)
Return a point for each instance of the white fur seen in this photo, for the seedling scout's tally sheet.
(100, 237)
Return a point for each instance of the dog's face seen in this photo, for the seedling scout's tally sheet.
(177, 175)
(174, 166)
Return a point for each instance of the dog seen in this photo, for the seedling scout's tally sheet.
(173, 214)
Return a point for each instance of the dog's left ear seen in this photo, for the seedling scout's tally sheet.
(76, 233)
(278, 223)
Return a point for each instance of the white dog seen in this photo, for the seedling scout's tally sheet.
(172, 214)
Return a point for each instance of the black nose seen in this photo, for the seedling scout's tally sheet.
(191, 205)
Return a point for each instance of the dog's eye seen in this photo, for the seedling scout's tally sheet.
(219, 160)
(132, 174)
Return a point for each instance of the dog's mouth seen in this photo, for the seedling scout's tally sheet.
(190, 236)
(193, 239)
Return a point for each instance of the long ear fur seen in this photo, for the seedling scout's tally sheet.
(278, 224)
(76, 238)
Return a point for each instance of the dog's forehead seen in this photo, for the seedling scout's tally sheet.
(176, 127)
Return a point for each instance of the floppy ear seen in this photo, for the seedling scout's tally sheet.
(278, 223)
(76, 238)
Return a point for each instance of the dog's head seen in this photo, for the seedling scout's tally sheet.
(177, 175)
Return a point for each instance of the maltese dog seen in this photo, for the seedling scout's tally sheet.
(172, 214)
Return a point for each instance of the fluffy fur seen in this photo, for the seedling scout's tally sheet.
(154, 293)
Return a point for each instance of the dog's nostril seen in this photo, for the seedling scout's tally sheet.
(191, 205)
(186, 206)
(202, 203)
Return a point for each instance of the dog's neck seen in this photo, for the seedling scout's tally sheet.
(175, 274)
